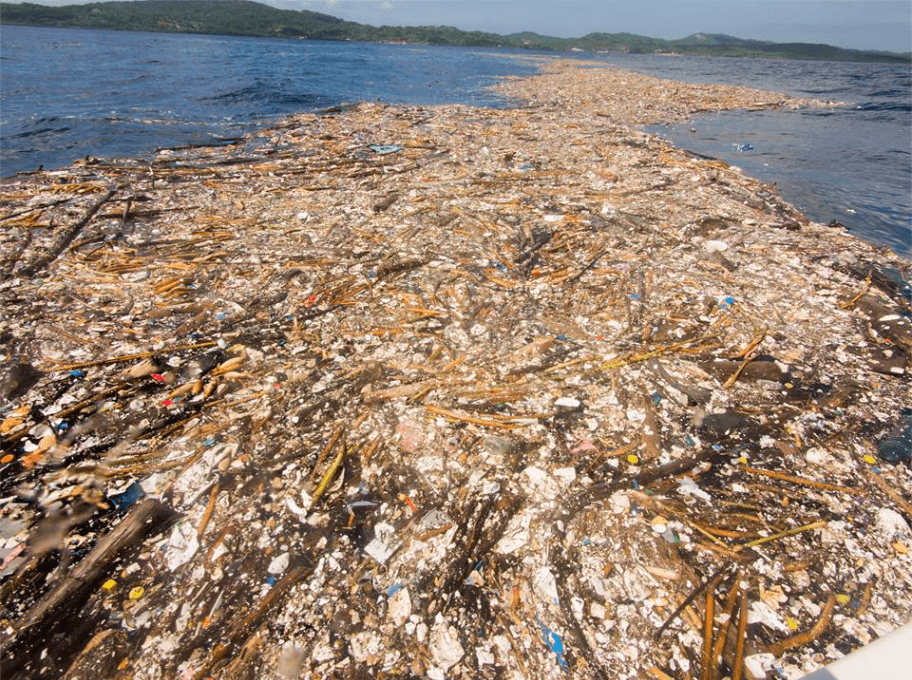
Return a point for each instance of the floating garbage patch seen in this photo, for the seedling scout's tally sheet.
(448, 392)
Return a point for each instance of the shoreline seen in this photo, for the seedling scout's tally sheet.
(448, 392)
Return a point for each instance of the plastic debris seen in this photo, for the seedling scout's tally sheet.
(554, 643)
(384, 149)
(128, 497)
(392, 411)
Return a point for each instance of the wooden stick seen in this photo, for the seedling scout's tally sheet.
(867, 286)
(329, 446)
(617, 363)
(801, 480)
(568, 364)
(709, 613)
(690, 598)
(783, 534)
(731, 599)
(891, 493)
(207, 515)
(752, 345)
(865, 598)
(371, 448)
(131, 357)
(236, 633)
(66, 238)
(468, 419)
(334, 466)
(738, 663)
(747, 355)
(146, 517)
(781, 647)
(623, 450)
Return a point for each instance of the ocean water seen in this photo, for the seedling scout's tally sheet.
(66, 93)
(851, 163)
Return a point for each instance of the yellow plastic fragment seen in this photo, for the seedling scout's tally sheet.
(109, 585)
(869, 459)
(791, 623)
(842, 598)
(137, 592)
(633, 459)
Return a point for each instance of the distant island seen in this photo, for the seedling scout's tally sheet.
(246, 18)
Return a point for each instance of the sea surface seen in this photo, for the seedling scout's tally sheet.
(68, 93)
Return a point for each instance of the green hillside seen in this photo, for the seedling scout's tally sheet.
(243, 17)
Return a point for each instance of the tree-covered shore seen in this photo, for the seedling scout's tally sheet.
(246, 18)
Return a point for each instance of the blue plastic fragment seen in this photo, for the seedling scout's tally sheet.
(393, 589)
(561, 338)
(385, 148)
(729, 300)
(656, 398)
(77, 374)
(689, 440)
(63, 427)
(555, 644)
(634, 296)
(125, 499)
(270, 580)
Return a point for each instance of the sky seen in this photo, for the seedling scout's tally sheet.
(857, 24)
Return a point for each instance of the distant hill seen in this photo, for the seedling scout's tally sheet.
(243, 17)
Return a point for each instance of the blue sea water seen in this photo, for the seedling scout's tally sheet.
(851, 163)
(66, 93)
